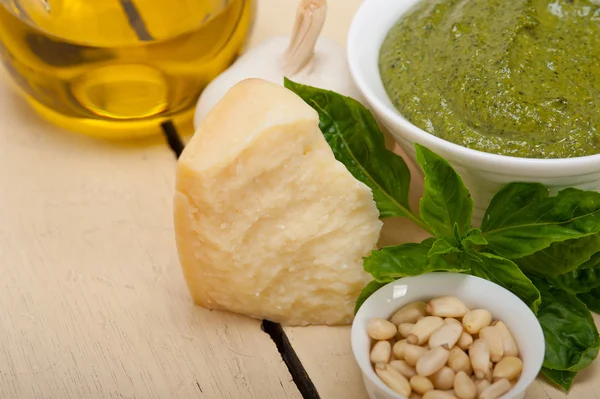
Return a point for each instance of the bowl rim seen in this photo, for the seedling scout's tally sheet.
(550, 167)
(356, 330)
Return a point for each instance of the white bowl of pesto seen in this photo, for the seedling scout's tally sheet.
(554, 141)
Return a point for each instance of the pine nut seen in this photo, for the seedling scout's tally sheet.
(380, 365)
(412, 353)
(381, 352)
(480, 358)
(496, 390)
(450, 320)
(421, 385)
(432, 361)
(404, 368)
(493, 337)
(415, 395)
(380, 329)
(465, 341)
(436, 394)
(464, 387)
(405, 329)
(409, 313)
(510, 346)
(476, 319)
(423, 329)
(446, 336)
(446, 306)
(443, 379)
(398, 349)
(481, 386)
(509, 367)
(396, 381)
(458, 360)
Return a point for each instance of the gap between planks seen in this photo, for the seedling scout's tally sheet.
(274, 330)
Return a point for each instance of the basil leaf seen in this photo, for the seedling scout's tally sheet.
(562, 378)
(472, 255)
(509, 201)
(410, 259)
(572, 340)
(561, 257)
(507, 274)
(474, 237)
(456, 232)
(446, 201)
(515, 228)
(444, 245)
(366, 293)
(594, 261)
(429, 241)
(591, 299)
(577, 281)
(587, 357)
(356, 141)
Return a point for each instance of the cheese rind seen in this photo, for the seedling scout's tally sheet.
(268, 223)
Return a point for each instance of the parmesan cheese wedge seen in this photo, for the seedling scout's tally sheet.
(268, 223)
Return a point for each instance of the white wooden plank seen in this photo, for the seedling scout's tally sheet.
(93, 303)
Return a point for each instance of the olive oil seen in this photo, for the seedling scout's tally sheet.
(118, 68)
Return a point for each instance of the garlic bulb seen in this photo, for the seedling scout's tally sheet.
(304, 58)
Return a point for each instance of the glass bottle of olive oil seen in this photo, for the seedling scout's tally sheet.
(118, 68)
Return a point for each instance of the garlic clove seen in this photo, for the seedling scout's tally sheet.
(304, 58)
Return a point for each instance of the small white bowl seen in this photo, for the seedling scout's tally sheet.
(475, 293)
(483, 173)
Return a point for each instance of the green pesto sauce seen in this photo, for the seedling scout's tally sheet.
(511, 77)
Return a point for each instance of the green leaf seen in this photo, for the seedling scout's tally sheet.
(456, 232)
(472, 255)
(591, 299)
(356, 141)
(410, 259)
(366, 293)
(474, 237)
(507, 274)
(429, 241)
(521, 219)
(473, 242)
(587, 357)
(578, 281)
(446, 200)
(561, 257)
(593, 262)
(572, 340)
(509, 201)
(443, 246)
(564, 379)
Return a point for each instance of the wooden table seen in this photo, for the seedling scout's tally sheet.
(92, 300)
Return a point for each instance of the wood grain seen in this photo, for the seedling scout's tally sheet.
(92, 299)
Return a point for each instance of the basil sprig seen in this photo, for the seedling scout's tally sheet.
(545, 249)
